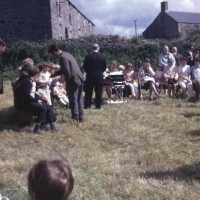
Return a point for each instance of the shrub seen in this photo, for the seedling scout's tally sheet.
(113, 47)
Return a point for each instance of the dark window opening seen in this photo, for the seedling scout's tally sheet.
(66, 33)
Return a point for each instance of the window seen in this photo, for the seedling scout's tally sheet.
(70, 19)
(79, 21)
(59, 10)
(60, 31)
(85, 27)
(66, 33)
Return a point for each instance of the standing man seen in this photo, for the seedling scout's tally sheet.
(2, 49)
(74, 81)
(176, 56)
(189, 55)
(94, 65)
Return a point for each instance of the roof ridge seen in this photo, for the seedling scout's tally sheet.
(183, 12)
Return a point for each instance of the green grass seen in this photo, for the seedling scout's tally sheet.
(140, 150)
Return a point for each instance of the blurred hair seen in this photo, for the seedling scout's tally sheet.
(130, 65)
(50, 180)
(28, 61)
(147, 60)
(46, 64)
(53, 48)
(112, 63)
(95, 46)
(121, 67)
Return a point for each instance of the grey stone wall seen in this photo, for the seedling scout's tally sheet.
(37, 20)
(25, 19)
(162, 27)
(170, 27)
(186, 29)
(68, 21)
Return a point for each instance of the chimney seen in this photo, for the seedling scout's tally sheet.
(164, 6)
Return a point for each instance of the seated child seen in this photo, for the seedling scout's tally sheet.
(50, 179)
(159, 78)
(60, 92)
(130, 81)
(44, 82)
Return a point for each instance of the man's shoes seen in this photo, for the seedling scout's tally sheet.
(37, 129)
(87, 106)
(77, 120)
(53, 127)
(193, 98)
(150, 98)
(45, 127)
(81, 120)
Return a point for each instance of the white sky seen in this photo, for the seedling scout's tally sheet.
(117, 16)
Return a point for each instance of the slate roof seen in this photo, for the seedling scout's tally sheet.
(185, 17)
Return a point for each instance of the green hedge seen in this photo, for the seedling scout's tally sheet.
(113, 47)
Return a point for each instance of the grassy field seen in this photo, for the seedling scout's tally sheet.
(140, 150)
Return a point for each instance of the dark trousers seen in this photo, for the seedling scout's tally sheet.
(93, 82)
(127, 91)
(75, 95)
(44, 113)
(196, 87)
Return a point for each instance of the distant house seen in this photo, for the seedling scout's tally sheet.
(171, 24)
(37, 20)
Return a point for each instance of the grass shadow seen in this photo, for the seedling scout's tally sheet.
(187, 173)
(191, 114)
(8, 120)
(195, 133)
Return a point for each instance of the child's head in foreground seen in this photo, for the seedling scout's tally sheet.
(50, 180)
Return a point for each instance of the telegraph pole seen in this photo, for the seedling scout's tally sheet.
(135, 20)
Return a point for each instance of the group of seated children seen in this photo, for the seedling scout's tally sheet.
(51, 87)
(46, 87)
(171, 78)
(33, 91)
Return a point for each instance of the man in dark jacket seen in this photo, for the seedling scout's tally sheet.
(94, 66)
(2, 49)
(26, 99)
(74, 81)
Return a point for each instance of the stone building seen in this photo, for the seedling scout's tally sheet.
(37, 20)
(171, 24)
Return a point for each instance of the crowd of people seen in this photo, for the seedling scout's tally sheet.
(174, 74)
(35, 88)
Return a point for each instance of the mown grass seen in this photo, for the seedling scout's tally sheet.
(141, 150)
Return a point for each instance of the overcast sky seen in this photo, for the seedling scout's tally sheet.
(117, 16)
